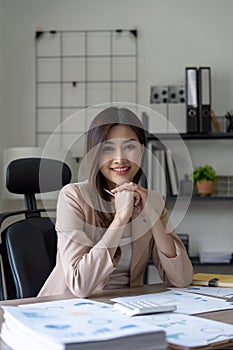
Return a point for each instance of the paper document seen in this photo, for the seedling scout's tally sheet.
(191, 331)
(218, 292)
(186, 303)
(50, 325)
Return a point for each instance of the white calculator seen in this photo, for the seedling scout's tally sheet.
(145, 307)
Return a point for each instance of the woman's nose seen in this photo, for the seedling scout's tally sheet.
(119, 155)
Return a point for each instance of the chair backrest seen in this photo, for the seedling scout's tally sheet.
(30, 176)
(29, 246)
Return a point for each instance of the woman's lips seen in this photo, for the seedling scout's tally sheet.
(121, 171)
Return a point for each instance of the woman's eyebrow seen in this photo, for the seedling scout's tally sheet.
(128, 140)
(108, 142)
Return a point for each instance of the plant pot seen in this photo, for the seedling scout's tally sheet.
(205, 187)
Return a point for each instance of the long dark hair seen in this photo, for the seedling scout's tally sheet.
(96, 135)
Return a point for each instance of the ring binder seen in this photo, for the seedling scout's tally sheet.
(204, 88)
(191, 81)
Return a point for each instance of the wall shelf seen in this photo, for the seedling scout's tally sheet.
(157, 140)
(216, 207)
(196, 261)
(189, 136)
(199, 198)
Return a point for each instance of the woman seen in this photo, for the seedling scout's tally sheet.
(109, 227)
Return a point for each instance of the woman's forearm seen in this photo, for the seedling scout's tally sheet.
(163, 240)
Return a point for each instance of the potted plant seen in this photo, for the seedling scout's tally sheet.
(204, 178)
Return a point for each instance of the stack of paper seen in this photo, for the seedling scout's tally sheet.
(215, 257)
(77, 324)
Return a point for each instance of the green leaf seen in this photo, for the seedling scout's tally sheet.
(205, 172)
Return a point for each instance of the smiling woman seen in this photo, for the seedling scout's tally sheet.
(109, 226)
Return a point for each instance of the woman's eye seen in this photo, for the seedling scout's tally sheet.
(107, 149)
(131, 146)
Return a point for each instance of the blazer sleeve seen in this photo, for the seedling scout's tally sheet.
(177, 271)
(84, 263)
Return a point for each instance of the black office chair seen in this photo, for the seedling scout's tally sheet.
(28, 246)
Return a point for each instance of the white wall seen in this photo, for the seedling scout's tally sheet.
(173, 34)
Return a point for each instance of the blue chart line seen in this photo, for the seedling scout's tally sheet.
(128, 326)
(175, 335)
(102, 330)
(176, 293)
(201, 299)
(193, 288)
(83, 303)
(57, 326)
(99, 321)
(172, 323)
(213, 330)
(34, 315)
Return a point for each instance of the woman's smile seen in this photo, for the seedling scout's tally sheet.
(121, 170)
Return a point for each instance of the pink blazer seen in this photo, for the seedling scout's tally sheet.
(83, 263)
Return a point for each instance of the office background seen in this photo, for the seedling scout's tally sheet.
(173, 34)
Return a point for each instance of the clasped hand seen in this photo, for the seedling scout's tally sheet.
(130, 199)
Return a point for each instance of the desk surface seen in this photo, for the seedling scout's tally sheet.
(105, 296)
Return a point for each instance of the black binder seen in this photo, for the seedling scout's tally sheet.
(191, 81)
(204, 89)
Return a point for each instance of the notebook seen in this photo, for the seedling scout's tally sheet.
(213, 280)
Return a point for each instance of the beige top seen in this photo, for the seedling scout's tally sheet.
(119, 278)
(83, 261)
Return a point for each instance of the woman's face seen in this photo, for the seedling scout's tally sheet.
(120, 156)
